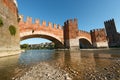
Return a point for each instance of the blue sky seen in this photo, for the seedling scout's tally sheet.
(91, 14)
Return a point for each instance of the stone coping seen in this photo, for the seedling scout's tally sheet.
(10, 53)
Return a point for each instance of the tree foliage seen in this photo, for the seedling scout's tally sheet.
(24, 46)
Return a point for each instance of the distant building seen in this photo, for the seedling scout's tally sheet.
(42, 46)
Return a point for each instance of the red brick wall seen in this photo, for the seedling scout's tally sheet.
(98, 35)
(84, 34)
(71, 29)
(52, 29)
(11, 5)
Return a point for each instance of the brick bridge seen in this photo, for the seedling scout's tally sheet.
(67, 36)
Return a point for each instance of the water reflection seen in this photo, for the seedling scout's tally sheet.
(33, 56)
(77, 63)
(83, 58)
(7, 66)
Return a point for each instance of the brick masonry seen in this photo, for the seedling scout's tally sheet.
(99, 38)
(8, 13)
(67, 36)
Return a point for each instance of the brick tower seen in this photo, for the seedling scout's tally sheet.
(9, 16)
(70, 34)
(99, 39)
(111, 32)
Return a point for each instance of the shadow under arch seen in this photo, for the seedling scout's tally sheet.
(85, 43)
(58, 42)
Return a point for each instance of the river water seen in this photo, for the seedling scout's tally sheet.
(79, 64)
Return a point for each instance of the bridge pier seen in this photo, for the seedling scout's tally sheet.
(70, 34)
(72, 44)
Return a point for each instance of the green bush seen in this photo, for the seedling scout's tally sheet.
(12, 30)
(1, 22)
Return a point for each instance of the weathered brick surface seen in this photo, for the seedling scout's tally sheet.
(51, 31)
(99, 38)
(69, 36)
(8, 13)
(84, 34)
(112, 34)
(98, 35)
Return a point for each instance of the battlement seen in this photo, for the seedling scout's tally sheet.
(71, 21)
(97, 30)
(109, 21)
(29, 20)
(12, 5)
(110, 27)
(84, 31)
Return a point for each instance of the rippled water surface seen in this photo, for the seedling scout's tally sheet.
(77, 63)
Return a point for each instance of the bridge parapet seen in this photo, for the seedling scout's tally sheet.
(109, 21)
(81, 31)
(84, 33)
(36, 25)
(40, 29)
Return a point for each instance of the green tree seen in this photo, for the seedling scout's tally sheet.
(24, 46)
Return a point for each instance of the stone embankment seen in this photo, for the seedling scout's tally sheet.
(5, 53)
(44, 71)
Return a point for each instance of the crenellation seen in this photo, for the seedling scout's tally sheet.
(69, 36)
(54, 26)
(21, 17)
(99, 36)
(58, 26)
(95, 30)
(75, 20)
(71, 32)
(49, 24)
(66, 22)
(109, 21)
(29, 20)
(83, 31)
(43, 23)
(70, 21)
(112, 33)
(37, 21)
(91, 31)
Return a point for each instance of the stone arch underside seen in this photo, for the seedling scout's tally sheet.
(85, 42)
(58, 42)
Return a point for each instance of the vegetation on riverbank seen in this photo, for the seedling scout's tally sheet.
(38, 46)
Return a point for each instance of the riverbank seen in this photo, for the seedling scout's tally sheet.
(43, 71)
(10, 53)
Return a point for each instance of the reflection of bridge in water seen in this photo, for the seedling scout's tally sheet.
(81, 62)
(67, 36)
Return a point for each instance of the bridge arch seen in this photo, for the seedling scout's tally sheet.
(41, 34)
(85, 42)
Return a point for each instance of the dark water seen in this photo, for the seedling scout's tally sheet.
(78, 61)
